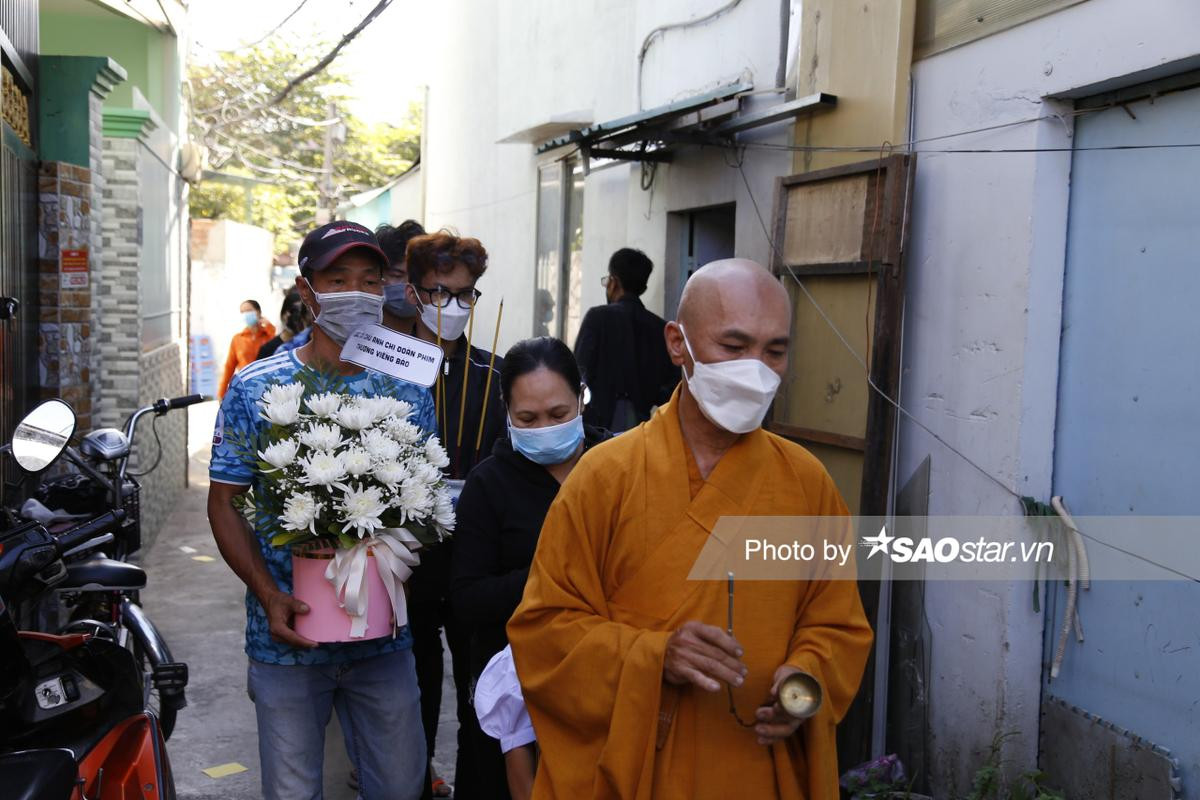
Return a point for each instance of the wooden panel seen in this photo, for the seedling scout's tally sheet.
(806, 435)
(943, 24)
(825, 387)
(846, 469)
(824, 221)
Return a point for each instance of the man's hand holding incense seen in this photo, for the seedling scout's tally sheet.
(703, 655)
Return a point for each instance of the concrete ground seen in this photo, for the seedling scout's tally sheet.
(198, 607)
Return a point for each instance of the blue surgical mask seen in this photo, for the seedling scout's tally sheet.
(395, 301)
(553, 444)
(250, 318)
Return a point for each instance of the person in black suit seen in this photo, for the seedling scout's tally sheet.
(621, 350)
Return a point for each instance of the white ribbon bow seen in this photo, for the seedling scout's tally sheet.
(394, 559)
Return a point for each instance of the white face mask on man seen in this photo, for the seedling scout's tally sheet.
(342, 313)
(733, 395)
(449, 322)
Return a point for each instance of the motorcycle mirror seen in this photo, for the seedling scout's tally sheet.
(43, 435)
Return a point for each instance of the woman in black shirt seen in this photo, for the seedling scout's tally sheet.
(506, 497)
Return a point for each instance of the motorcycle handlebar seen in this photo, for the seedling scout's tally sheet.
(164, 405)
(105, 523)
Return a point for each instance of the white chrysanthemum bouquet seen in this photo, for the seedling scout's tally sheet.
(350, 482)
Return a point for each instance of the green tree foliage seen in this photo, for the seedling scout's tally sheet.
(283, 145)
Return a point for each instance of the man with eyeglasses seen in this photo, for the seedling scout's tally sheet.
(442, 272)
(620, 349)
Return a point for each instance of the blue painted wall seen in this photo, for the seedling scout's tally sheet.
(1128, 426)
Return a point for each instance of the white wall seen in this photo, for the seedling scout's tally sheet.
(984, 309)
(234, 267)
(508, 66)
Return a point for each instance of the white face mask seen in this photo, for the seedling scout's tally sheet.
(342, 313)
(453, 319)
(733, 395)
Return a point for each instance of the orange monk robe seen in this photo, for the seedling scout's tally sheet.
(609, 584)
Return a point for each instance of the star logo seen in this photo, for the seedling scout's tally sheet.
(878, 542)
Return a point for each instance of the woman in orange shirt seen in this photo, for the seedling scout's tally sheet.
(244, 347)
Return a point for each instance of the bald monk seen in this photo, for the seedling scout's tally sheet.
(624, 662)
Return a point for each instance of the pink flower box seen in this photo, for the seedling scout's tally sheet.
(326, 620)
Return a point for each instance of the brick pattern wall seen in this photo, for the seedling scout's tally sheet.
(128, 377)
(119, 312)
(96, 157)
(161, 376)
(65, 329)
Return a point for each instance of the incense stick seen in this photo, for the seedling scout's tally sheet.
(487, 386)
(729, 627)
(437, 405)
(462, 406)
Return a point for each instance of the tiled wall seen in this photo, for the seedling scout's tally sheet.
(130, 377)
(65, 329)
(119, 314)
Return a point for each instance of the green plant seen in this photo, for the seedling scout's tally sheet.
(988, 782)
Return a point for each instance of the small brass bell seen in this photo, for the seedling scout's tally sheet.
(800, 695)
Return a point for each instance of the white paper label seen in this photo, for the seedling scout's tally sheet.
(380, 349)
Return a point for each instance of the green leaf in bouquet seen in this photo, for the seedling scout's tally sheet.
(289, 538)
(347, 541)
(425, 533)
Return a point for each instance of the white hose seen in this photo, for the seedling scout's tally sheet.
(1078, 572)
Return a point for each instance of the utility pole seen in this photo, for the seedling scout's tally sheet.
(334, 135)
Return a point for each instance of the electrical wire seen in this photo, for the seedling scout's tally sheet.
(960, 150)
(158, 458)
(662, 29)
(266, 35)
(901, 409)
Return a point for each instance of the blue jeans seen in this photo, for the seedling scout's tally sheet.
(378, 705)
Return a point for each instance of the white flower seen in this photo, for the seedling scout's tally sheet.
(322, 437)
(436, 453)
(362, 509)
(427, 474)
(415, 498)
(381, 446)
(322, 469)
(354, 416)
(324, 405)
(391, 473)
(404, 432)
(282, 412)
(280, 454)
(300, 513)
(443, 510)
(356, 460)
(384, 407)
(283, 393)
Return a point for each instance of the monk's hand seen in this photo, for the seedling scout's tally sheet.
(703, 655)
(775, 724)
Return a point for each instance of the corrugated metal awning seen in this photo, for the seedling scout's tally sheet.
(714, 118)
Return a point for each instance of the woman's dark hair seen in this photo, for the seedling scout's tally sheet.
(633, 268)
(254, 303)
(529, 355)
(393, 239)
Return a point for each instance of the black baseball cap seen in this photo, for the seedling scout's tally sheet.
(325, 244)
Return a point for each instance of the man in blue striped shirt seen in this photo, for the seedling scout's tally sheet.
(296, 683)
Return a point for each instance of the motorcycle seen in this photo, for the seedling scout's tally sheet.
(73, 721)
(100, 594)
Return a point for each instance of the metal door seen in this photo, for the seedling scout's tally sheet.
(1128, 425)
(18, 279)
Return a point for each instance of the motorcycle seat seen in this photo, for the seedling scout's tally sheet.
(39, 774)
(103, 574)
